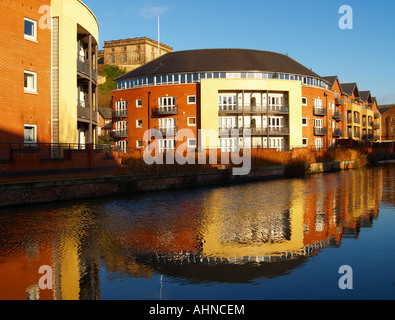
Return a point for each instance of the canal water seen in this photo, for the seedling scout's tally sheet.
(278, 239)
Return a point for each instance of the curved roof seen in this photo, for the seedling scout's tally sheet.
(220, 60)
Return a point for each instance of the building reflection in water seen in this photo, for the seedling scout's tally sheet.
(231, 234)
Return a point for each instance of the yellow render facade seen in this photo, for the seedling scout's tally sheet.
(212, 88)
(74, 18)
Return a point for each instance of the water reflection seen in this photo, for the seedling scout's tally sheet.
(233, 234)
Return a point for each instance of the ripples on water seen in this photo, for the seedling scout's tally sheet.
(235, 235)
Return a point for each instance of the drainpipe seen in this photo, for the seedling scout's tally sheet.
(149, 127)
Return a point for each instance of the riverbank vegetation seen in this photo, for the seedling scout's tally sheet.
(297, 162)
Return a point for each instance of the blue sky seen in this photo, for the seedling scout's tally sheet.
(307, 30)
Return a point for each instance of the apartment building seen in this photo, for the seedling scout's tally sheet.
(48, 56)
(217, 92)
(131, 53)
(388, 122)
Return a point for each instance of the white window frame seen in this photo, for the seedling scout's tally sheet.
(227, 102)
(27, 36)
(139, 103)
(229, 144)
(34, 126)
(318, 103)
(166, 145)
(123, 145)
(34, 74)
(192, 145)
(139, 144)
(304, 101)
(121, 105)
(318, 143)
(191, 125)
(138, 125)
(318, 123)
(306, 123)
(307, 142)
(194, 100)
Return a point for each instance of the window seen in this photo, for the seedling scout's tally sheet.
(228, 144)
(139, 123)
(125, 57)
(304, 101)
(139, 144)
(191, 99)
(30, 133)
(30, 82)
(318, 103)
(112, 59)
(30, 29)
(304, 122)
(227, 102)
(139, 103)
(191, 143)
(123, 146)
(166, 145)
(319, 143)
(192, 122)
(318, 123)
(305, 142)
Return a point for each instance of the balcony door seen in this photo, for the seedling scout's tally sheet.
(276, 143)
(167, 103)
(227, 122)
(167, 123)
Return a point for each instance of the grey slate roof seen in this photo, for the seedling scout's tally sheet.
(220, 60)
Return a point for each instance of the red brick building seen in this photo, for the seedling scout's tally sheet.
(25, 63)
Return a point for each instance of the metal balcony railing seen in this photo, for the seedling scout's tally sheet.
(121, 133)
(168, 131)
(319, 112)
(320, 131)
(120, 113)
(338, 133)
(165, 111)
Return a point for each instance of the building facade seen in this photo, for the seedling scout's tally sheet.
(57, 103)
(131, 53)
(217, 93)
(388, 122)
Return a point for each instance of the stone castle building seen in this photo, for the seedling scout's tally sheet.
(131, 53)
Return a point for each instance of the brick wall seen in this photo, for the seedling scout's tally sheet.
(185, 110)
(16, 55)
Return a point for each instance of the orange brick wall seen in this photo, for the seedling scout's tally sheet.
(312, 93)
(16, 55)
(181, 92)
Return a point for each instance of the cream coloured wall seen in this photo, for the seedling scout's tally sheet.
(209, 105)
(71, 13)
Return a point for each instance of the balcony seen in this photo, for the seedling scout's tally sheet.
(168, 131)
(338, 133)
(84, 112)
(122, 133)
(339, 101)
(279, 108)
(83, 66)
(336, 115)
(376, 126)
(320, 131)
(319, 112)
(247, 108)
(120, 113)
(255, 131)
(166, 111)
(357, 120)
(357, 134)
